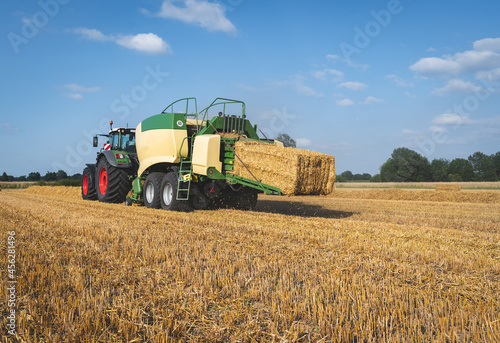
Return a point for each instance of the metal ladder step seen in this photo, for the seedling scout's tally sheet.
(184, 180)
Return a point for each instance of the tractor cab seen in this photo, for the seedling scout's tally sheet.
(122, 139)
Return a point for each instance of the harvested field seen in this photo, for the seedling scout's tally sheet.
(294, 171)
(298, 269)
(470, 196)
(429, 185)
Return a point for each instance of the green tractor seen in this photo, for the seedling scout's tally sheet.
(109, 179)
(181, 159)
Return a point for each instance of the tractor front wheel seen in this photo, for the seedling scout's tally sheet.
(88, 192)
(113, 184)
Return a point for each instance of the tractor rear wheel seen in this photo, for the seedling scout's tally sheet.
(113, 184)
(88, 192)
(152, 193)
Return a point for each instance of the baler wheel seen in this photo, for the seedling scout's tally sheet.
(88, 193)
(168, 191)
(113, 184)
(152, 190)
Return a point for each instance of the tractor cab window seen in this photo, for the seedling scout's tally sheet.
(114, 140)
(128, 142)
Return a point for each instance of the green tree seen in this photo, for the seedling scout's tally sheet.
(286, 140)
(50, 176)
(496, 162)
(34, 176)
(376, 178)
(439, 170)
(61, 174)
(4, 177)
(462, 168)
(406, 165)
(483, 166)
(348, 175)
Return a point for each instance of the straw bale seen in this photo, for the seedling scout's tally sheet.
(294, 171)
(448, 188)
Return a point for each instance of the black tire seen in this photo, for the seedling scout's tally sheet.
(152, 191)
(112, 184)
(198, 200)
(168, 191)
(88, 192)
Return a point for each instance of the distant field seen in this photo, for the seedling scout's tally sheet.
(22, 184)
(378, 265)
(424, 185)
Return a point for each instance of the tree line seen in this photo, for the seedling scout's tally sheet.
(406, 165)
(35, 176)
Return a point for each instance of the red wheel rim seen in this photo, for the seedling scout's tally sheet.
(85, 184)
(103, 180)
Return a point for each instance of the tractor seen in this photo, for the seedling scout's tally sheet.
(178, 160)
(109, 179)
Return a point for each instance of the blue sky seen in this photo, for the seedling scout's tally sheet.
(354, 79)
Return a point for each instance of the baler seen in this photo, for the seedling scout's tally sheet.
(184, 160)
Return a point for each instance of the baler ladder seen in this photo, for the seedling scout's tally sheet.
(184, 179)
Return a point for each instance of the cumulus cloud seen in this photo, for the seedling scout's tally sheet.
(489, 75)
(93, 34)
(77, 88)
(74, 96)
(206, 14)
(336, 75)
(353, 85)
(372, 100)
(456, 86)
(435, 128)
(297, 82)
(399, 81)
(144, 42)
(345, 102)
(451, 119)
(484, 56)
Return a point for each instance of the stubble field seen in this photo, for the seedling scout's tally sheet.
(356, 266)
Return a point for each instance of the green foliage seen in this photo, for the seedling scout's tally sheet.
(462, 168)
(483, 166)
(34, 176)
(376, 178)
(4, 177)
(439, 170)
(286, 140)
(406, 165)
(340, 178)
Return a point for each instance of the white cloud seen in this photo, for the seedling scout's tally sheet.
(75, 96)
(353, 85)
(8, 128)
(345, 102)
(410, 95)
(77, 88)
(93, 34)
(322, 74)
(435, 128)
(145, 42)
(456, 86)
(487, 44)
(431, 49)
(209, 15)
(451, 118)
(349, 62)
(490, 75)
(399, 81)
(372, 100)
(303, 142)
(297, 82)
(485, 56)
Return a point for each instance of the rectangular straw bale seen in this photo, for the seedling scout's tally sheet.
(448, 188)
(294, 171)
